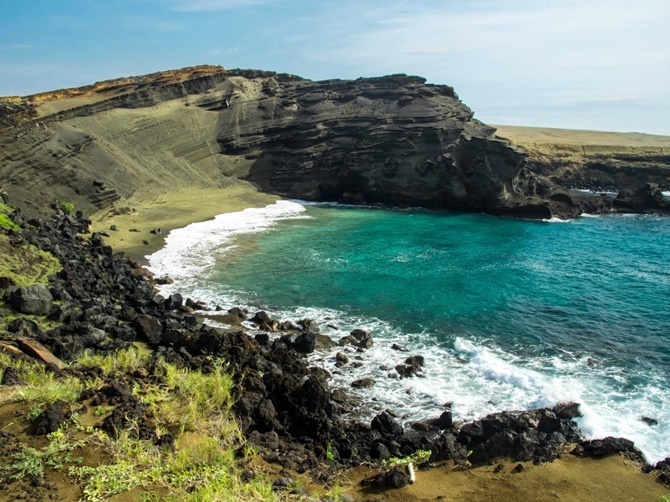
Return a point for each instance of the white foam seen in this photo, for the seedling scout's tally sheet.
(554, 219)
(190, 252)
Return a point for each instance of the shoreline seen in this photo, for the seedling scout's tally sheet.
(568, 476)
(169, 211)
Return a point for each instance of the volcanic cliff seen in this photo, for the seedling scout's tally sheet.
(391, 140)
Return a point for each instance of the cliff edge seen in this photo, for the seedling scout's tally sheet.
(393, 140)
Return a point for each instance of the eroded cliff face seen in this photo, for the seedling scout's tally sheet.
(392, 140)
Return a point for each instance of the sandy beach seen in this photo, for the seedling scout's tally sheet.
(172, 210)
(569, 478)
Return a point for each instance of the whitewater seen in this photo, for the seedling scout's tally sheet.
(508, 314)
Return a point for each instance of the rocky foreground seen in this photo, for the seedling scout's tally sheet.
(101, 302)
(392, 140)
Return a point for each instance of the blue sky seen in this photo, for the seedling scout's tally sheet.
(581, 64)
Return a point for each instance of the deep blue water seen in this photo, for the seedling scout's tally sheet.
(509, 313)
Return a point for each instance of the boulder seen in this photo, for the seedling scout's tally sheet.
(52, 418)
(149, 327)
(598, 448)
(362, 338)
(386, 425)
(34, 299)
(174, 301)
(445, 421)
(363, 383)
(393, 478)
(567, 410)
(39, 351)
(309, 326)
(644, 198)
(305, 343)
(261, 317)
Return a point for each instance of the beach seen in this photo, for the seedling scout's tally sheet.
(171, 210)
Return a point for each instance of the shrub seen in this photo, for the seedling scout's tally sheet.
(68, 206)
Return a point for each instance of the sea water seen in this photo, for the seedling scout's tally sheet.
(508, 313)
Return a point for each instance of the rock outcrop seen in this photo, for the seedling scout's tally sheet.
(392, 140)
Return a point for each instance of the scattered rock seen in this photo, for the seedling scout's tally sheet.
(598, 448)
(340, 357)
(36, 349)
(386, 425)
(399, 348)
(149, 327)
(567, 410)
(339, 396)
(362, 339)
(52, 418)
(393, 478)
(415, 361)
(261, 317)
(363, 383)
(11, 376)
(35, 299)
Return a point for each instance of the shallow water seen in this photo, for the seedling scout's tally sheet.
(509, 314)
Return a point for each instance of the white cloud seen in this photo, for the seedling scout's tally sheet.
(501, 54)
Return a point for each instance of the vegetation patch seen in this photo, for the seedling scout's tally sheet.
(26, 264)
(67, 206)
(204, 462)
(5, 221)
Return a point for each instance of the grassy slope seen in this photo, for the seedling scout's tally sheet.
(546, 135)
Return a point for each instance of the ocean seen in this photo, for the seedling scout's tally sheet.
(509, 314)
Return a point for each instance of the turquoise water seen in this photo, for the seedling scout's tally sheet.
(509, 313)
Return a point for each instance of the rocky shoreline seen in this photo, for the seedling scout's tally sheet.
(101, 302)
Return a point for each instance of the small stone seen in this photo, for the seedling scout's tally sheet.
(363, 383)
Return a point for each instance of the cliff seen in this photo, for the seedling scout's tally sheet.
(602, 161)
(392, 140)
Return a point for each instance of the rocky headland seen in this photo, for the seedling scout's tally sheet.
(392, 140)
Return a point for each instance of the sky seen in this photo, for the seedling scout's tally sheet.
(576, 64)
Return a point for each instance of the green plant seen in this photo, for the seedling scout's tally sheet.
(43, 387)
(418, 457)
(33, 412)
(5, 220)
(29, 461)
(329, 453)
(122, 362)
(664, 498)
(102, 410)
(67, 206)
